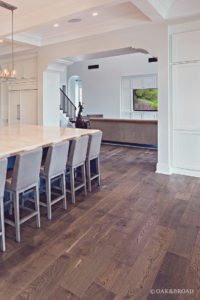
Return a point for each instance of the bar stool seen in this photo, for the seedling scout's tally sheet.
(93, 153)
(53, 170)
(22, 180)
(3, 169)
(76, 161)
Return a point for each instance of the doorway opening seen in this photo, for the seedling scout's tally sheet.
(75, 91)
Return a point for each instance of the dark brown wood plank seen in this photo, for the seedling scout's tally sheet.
(173, 213)
(192, 213)
(62, 294)
(44, 285)
(192, 276)
(97, 292)
(170, 276)
(184, 240)
(85, 272)
(137, 283)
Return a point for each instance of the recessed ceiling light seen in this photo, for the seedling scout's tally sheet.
(56, 25)
(1, 41)
(95, 14)
(75, 20)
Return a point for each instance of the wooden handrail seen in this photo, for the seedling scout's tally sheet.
(67, 106)
(68, 98)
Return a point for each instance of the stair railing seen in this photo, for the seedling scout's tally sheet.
(67, 106)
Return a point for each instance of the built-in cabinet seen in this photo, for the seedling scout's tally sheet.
(185, 102)
(19, 97)
(128, 84)
(22, 105)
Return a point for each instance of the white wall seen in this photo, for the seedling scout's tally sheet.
(71, 86)
(185, 99)
(51, 92)
(102, 87)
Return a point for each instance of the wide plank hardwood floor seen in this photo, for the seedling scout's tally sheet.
(138, 231)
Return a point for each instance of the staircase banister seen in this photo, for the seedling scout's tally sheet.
(68, 98)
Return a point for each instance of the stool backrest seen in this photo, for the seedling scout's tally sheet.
(56, 159)
(3, 170)
(94, 145)
(78, 151)
(26, 169)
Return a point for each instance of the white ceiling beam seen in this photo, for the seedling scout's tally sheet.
(148, 9)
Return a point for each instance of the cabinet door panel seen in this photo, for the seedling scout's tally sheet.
(186, 46)
(28, 101)
(14, 108)
(186, 96)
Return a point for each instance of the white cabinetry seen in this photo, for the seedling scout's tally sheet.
(18, 98)
(128, 84)
(22, 104)
(186, 46)
(185, 84)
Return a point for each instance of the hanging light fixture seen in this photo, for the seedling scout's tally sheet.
(9, 73)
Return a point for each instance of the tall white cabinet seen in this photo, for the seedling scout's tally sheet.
(185, 100)
(19, 97)
(22, 104)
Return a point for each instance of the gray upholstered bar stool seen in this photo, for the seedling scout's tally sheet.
(76, 161)
(22, 180)
(53, 170)
(3, 169)
(93, 153)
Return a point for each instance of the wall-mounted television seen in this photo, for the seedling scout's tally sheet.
(145, 99)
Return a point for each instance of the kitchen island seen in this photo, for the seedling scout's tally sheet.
(17, 138)
(127, 131)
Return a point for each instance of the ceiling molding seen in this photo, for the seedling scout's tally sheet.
(148, 9)
(64, 61)
(28, 38)
(162, 6)
(33, 13)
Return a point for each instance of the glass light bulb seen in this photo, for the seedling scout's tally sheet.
(13, 73)
(6, 73)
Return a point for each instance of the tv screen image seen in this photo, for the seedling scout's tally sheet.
(145, 99)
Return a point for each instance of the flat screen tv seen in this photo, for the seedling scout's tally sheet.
(145, 99)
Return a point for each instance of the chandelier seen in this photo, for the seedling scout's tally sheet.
(9, 73)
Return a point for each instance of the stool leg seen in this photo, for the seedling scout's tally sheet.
(98, 170)
(10, 205)
(63, 187)
(88, 175)
(48, 196)
(72, 184)
(84, 179)
(3, 243)
(37, 205)
(22, 200)
(17, 216)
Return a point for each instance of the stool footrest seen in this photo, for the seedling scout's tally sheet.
(33, 214)
(94, 176)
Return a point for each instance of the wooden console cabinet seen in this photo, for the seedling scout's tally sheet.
(127, 130)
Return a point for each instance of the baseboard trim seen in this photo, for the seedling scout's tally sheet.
(166, 170)
(186, 172)
(153, 147)
(163, 169)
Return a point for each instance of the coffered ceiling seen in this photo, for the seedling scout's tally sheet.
(35, 19)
